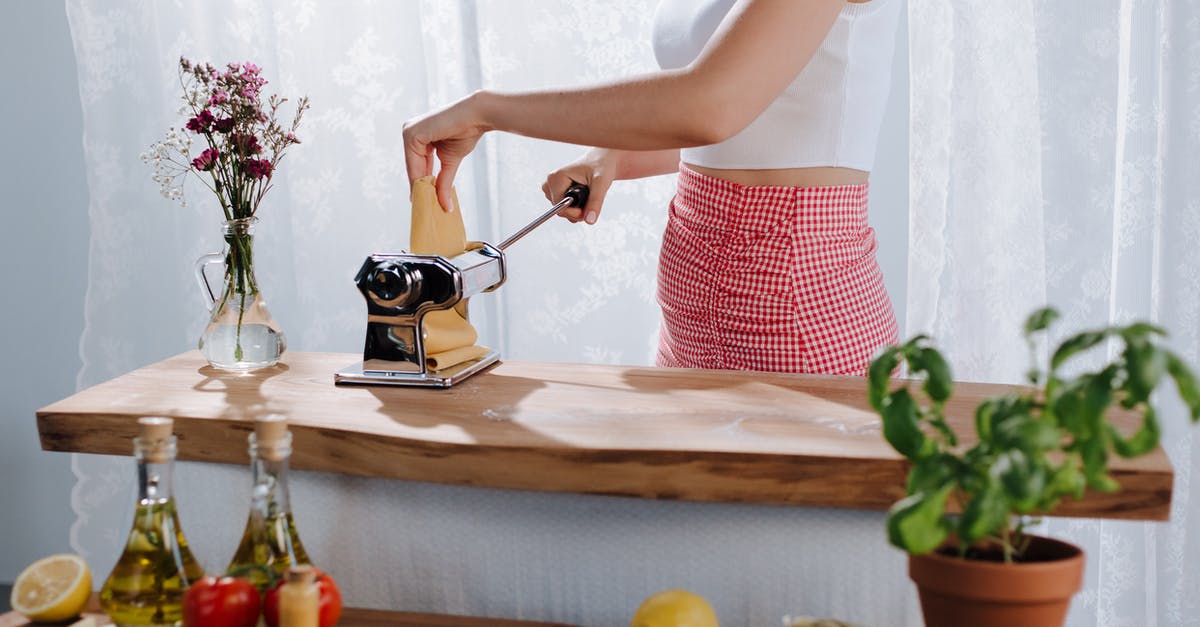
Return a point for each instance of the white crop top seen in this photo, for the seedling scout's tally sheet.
(828, 116)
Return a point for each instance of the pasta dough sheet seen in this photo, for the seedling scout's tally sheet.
(449, 338)
(455, 356)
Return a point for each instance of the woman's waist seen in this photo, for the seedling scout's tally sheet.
(824, 176)
(711, 202)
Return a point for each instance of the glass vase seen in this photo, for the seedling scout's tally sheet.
(241, 334)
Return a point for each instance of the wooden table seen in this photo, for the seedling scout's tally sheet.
(647, 432)
(350, 618)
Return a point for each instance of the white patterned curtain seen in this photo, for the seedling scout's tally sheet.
(1053, 160)
(574, 294)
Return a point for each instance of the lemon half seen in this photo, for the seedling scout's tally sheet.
(674, 608)
(52, 589)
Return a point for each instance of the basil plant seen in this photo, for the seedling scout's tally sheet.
(1035, 446)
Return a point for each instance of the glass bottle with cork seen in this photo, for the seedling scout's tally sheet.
(146, 586)
(270, 539)
(299, 598)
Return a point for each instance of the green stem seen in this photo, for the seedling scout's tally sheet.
(245, 571)
(1006, 542)
(241, 280)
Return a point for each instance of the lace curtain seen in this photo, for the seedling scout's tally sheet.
(1053, 151)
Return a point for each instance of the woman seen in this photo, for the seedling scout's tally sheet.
(770, 111)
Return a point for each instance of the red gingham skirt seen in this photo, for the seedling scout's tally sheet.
(779, 279)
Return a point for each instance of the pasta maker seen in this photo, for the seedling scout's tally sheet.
(401, 288)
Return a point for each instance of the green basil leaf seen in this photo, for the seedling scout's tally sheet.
(1039, 435)
(917, 524)
(1141, 442)
(901, 429)
(938, 381)
(984, 417)
(1079, 405)
(879, 375)
(1185, 382)
(1040, 320)
(1077, 343)
(1024, 479)
(1010, 419)
(1142, 330)
(1145, 364)
(1066, 480)
(986, 513)
(931, 474)
(1094, 452)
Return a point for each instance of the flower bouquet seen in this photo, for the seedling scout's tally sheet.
(242, 145)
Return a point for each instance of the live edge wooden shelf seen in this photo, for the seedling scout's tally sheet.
(644, 432)
(350, 618)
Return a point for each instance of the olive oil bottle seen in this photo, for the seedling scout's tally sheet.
(270, 539)
(146, 586)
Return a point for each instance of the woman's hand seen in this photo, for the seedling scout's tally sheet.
(450, 134)
(596, 169)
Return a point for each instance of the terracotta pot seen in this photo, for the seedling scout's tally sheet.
(1034, 593)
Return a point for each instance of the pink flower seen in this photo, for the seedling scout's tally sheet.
(291, 137)
(250, 68)
(245, 144)
(207, 160)
(219, 97)
(224, 125)
(201, 123)
(250, 91)
(257, 168)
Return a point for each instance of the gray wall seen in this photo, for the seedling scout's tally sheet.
(43, 247)
(43, 252)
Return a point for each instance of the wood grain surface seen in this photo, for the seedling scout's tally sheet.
(350, 618)
(596, 429)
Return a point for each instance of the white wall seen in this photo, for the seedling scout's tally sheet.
(43, 270)
(43, 247)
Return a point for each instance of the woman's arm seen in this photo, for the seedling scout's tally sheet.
(598, 168)
(747, 63)
(638, 164)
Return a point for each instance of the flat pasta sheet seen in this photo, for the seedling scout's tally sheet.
(449, 338)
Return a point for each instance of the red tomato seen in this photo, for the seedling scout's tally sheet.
(225, 601)
(331, 601)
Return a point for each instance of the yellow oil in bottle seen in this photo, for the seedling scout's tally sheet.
(146, 586)
(271, 541)
(270, 544)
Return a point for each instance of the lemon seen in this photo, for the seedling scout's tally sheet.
(52, 589)
(674, 608)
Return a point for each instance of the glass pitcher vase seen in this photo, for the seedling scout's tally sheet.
(241, 334)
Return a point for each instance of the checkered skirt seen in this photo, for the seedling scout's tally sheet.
(779, 279)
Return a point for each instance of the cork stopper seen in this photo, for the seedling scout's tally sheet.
(301, 574)
(271, 437)
(156, 439)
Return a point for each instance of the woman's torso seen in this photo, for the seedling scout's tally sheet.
(823, 128)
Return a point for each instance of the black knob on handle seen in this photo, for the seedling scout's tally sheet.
(578, 193)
